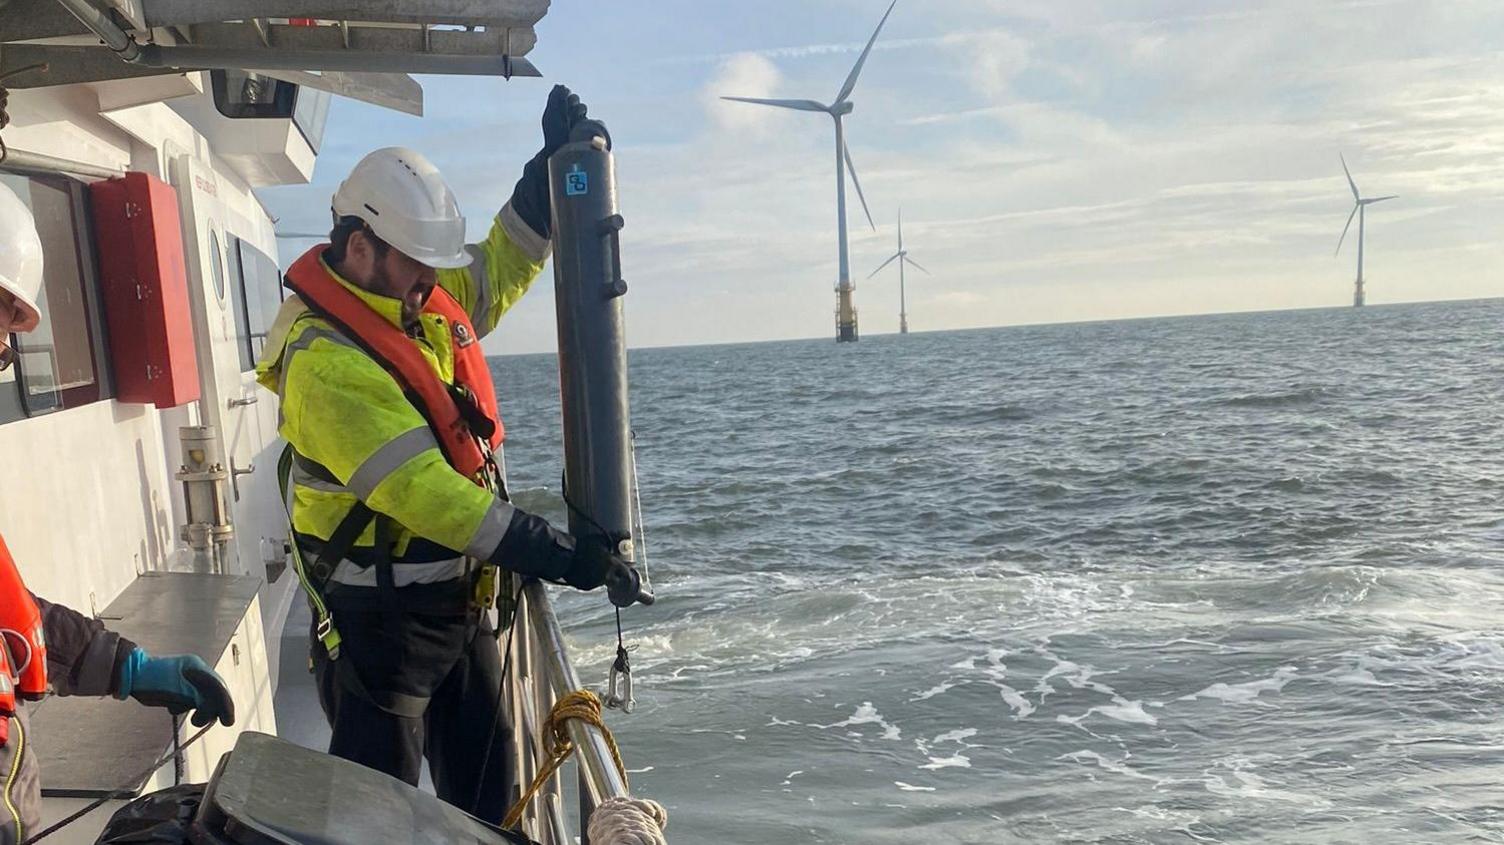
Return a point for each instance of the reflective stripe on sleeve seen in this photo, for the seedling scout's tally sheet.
(492, 528)
(533, 245)
(481, 273)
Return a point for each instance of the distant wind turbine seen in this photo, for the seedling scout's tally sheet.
(845, 307)
(902, 256)
(1359, 205)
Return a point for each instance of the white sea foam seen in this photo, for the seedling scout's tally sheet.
(1120, 710)
(1014, 699)
(866, 714)
(1117, 767)
(1247, 692)
(958, 736)
(909, 787)
(955, 761)
(938, 689)
(1245, 784)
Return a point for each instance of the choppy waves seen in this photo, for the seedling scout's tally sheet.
(1136, 582)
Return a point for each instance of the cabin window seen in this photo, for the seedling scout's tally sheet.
(58, 363)
(256, 285)
(311, 113)
(241, 94)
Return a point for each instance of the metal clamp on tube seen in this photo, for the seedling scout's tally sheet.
(593, 353)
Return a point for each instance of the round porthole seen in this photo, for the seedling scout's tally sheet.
(216, 266)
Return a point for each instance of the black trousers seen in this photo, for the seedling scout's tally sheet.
(452, 660)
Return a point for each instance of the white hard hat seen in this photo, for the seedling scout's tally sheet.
(405, 201)
(20, 257)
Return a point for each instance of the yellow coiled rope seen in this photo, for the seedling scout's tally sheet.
(584, 706)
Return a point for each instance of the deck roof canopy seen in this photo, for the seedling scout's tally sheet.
(357, 48)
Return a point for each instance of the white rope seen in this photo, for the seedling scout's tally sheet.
(628, 821)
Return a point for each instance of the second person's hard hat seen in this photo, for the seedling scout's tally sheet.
(20, 257)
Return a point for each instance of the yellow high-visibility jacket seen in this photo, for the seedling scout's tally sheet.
(341, 410)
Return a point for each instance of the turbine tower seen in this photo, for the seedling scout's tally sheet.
(846, 330)
(1359, 204)
(902, 256)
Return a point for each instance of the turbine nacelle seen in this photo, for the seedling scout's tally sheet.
(1359, 201)
(841, 109)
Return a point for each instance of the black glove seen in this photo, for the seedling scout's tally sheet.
(535, 548)
(530, 198)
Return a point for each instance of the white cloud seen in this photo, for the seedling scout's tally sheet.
(741, 75)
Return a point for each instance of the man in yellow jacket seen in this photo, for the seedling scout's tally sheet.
(397, 507)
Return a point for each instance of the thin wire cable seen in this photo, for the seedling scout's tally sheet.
(129, 786)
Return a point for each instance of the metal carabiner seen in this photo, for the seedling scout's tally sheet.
(619, 684)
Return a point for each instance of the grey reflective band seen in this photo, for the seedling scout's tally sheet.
(492, 528)
(303, 478)
(403, 574)
(482, 276)
(390, 458)
(532, 244)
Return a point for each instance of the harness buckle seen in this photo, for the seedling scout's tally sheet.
(328, 635)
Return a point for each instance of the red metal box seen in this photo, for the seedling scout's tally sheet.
(145, 285)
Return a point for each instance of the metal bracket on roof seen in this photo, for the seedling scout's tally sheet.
(260, 28)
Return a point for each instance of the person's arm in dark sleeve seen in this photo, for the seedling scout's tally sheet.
(83, 656)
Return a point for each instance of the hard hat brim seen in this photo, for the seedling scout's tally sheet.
(30, 317)
(443, 262)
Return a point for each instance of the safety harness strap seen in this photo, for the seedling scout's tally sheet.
(324, 620)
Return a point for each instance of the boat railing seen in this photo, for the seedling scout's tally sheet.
(539, 675)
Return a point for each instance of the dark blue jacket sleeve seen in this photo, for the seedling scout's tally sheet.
(83, 657)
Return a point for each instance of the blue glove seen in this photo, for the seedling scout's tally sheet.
(179, 682)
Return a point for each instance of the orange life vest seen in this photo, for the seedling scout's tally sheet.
(462, 416)
(25, 654)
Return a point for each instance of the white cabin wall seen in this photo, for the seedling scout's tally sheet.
(87, 501)
(65, 122)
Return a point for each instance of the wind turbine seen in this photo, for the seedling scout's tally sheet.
(902, 256)
(1359, 205)
(845, 307)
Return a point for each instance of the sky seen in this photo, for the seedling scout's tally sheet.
(1055, 160)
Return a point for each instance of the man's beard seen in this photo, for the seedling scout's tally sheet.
(383, 283)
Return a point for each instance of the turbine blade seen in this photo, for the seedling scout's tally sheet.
(1350, 182)
(1381, 199)
(881, 266)
(900, 228)
(856, 70)
(798, 105)
(916, 264)
(1350, 217)
(851, 168)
